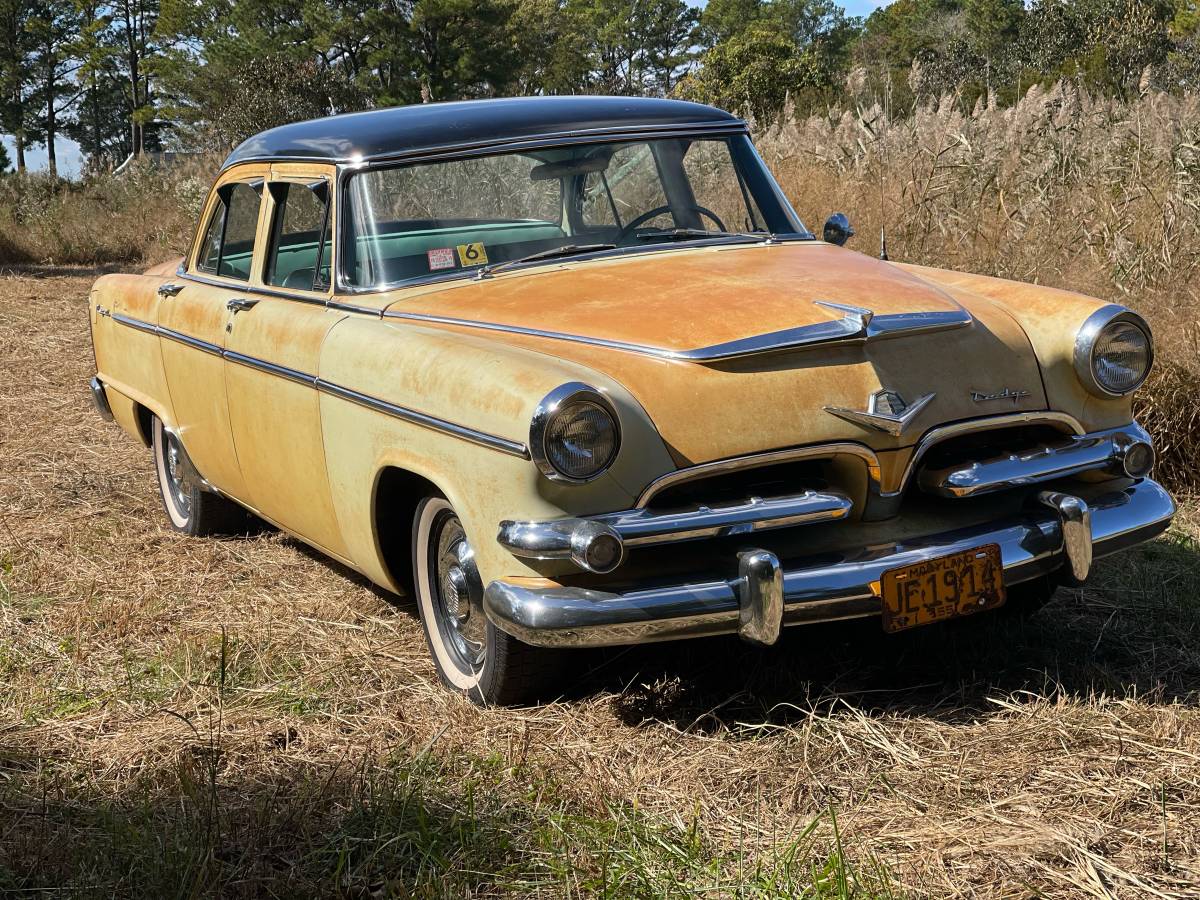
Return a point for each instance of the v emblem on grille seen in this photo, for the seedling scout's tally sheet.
(886, 411)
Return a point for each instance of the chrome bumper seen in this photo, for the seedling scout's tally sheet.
(101, 400)
(1064, 530)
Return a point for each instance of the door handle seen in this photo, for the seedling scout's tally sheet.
(169, 289)
(238, 304)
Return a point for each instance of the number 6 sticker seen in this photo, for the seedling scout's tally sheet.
(472, 255)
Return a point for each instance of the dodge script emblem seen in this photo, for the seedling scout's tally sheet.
(886, 411)
(1007, 394)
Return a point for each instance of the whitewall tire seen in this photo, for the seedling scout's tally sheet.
(472, 656)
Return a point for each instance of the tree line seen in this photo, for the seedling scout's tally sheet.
(123, 77)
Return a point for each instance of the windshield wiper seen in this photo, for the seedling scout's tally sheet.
(689, 234)
(564, 250)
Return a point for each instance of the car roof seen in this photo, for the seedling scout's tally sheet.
(402, 131)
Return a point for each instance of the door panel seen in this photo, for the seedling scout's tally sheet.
(196, 380)
(193, 325)
(275, 415)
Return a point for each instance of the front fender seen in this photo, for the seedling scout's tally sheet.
(469, 381)
(1051, 318)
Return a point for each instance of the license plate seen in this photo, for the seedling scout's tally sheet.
(943, 588)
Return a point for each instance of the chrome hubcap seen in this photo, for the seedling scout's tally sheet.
(459, 600)
(176, 474)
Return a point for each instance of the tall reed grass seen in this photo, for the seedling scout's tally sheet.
(1063, 188)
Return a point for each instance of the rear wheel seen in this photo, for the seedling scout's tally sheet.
(191, 509)
(472, 655)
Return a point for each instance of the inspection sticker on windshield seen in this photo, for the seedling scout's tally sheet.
(441, 258)
(472, 255)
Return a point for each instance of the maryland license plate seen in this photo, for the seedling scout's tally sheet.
(942, 588)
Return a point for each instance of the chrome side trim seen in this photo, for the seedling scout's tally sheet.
(240, 287)
(761, 460)
(514, 448)
(816, 589)
(559, 538)
(1100, 450)
(137, 324)
(853, 328)
(284, 372)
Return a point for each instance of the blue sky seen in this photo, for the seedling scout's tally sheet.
(69, 159)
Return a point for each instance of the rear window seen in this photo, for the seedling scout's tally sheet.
(228, 245)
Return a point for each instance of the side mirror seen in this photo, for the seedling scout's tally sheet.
(838, 229)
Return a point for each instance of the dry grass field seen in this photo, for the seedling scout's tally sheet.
(183, 717)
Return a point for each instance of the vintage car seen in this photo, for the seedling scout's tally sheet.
(571, 372)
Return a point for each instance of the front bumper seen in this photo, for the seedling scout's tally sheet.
(1063, 531)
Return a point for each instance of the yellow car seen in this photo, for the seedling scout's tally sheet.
(571, 372)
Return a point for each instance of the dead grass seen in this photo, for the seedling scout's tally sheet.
(240, 717)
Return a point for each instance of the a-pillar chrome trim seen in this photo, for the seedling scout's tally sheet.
(820, 589)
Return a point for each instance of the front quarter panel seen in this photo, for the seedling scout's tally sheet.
(473, 382)
(1051, 318)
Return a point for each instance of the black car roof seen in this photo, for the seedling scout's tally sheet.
(410, 130)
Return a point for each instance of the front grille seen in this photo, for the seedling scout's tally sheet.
(725, 488)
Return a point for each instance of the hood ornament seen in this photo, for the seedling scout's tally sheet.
(886, 411)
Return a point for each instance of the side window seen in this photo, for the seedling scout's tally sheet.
(241, 223)
(717, 185)
(210, 249)
(228, 244)
(299, 255)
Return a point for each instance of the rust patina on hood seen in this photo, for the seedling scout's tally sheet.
(739, 349)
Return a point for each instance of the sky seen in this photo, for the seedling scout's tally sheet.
(70, 160)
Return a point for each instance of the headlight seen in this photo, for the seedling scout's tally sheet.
(574, 436)
(1113, 352)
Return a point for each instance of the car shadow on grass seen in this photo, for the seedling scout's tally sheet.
(1134, 630)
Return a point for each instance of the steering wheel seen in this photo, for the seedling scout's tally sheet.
(658, 211)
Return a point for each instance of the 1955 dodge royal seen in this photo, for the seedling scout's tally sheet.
(571, 372)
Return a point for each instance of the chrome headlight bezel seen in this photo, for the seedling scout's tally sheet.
(1088, 339)
(553, 405)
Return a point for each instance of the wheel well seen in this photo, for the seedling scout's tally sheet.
(397, 493)
(145, 423)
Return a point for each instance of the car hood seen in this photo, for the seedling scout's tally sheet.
(742, 348)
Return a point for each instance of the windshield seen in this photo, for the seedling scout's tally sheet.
(457, 216)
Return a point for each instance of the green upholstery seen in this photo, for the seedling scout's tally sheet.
(236, 265)
(403, 254)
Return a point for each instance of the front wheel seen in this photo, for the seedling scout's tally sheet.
(191, 509)
(472, 655)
